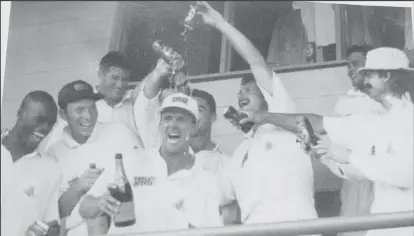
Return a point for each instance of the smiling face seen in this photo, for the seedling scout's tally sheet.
(113, 83)
(206, 117)
(250, 98)
(35, 121)
(176, 126)
(375, 85)
(81, 116)
(356, 60)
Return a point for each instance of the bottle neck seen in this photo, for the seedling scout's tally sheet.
(120, 176)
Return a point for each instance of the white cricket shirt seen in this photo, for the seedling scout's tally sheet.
(275, 182)
(389, 163)
(165, 202)
(212, 160)
(147, 119)
(106, 140)
(29, 191)
(121, 112)
(356, 196)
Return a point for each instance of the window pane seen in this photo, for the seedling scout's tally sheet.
(379, 26)
(143, 23)
(287, 33)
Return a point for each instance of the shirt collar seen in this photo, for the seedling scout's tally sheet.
(355, 92)
(258, 130)
(183, 173)
(35, 154)
(215, 149)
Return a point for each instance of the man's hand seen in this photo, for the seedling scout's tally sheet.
(54, 228)
(210, 16)
(108, 204)
(330, 150)
(88, 178)
(255, 117)
(162, 68)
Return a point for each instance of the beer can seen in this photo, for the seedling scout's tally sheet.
(232, 115)
(168, 55)
(306, 135)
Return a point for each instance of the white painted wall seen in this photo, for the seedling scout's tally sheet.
(51, 44)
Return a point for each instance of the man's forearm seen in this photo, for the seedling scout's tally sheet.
(152, 83)
(68, 201)
(242, 44)
(288, 121)
(260, 69)
(88, 208)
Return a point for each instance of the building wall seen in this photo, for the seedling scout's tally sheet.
(51, 44)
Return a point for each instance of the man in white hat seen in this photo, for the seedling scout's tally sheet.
(356, 197)
(176, 193)
(389, 80)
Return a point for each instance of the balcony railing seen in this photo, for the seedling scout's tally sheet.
(308, 227)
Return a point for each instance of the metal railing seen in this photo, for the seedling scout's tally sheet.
(307, 227)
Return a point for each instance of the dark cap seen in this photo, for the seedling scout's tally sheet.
(75, 91)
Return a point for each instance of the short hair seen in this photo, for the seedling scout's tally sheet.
(42, 97)
(248, 79)
(364, 49)
(207, 97)
(400, 83)
(115, 59)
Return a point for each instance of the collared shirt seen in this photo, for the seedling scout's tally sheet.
(106, 140)
(389, 163)
(356, 102)
(269, 173)
(148, 119)
(165, 202)
(121, 112)
(29, 191)
(356, 196)
(213, 160)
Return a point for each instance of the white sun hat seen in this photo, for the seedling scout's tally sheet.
(182, 101)
(386, 58)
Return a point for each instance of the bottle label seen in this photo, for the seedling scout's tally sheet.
(126, 212)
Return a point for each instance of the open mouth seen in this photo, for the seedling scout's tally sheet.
(243, 102)
(367, 87)
(117, 91)
(38, 136)
(85, 125)
(173, 137)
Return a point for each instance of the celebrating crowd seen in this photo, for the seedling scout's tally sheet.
(157, 141)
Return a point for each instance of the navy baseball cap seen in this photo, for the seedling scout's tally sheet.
(75, 91)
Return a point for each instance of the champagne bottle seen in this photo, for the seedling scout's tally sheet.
(122, 191)
(38, 228)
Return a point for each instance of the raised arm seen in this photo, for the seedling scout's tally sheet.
(151, 82)
(260, 69)
(147, 103)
